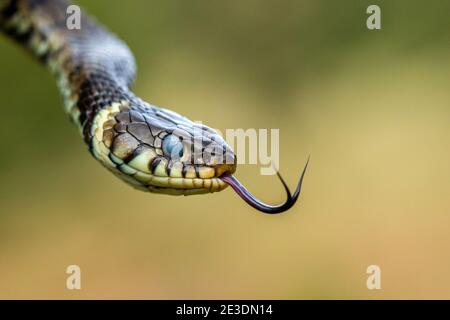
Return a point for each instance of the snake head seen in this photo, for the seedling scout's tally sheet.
(158, 150)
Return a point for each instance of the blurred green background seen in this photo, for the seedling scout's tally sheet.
(370, 107)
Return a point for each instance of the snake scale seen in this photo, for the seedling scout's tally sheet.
(151, 148)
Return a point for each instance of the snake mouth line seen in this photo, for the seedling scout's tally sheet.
(174, 186)
(174, 191)
(259, 205)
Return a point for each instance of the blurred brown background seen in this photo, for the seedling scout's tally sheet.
(370, 107)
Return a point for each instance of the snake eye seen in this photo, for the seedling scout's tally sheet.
(172, 146)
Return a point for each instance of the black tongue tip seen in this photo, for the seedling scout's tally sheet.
(259, 205)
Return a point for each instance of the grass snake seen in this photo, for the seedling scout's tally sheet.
(151, 148)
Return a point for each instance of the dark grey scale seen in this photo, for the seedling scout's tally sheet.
(206, 141)
(209, 154)
(103, 95)
(100, 76)
(96, 96)
(202, 142)
(157, 126)
(136, 117)
(142, 106)
(166, 117)
(120, 127)
(101, 82)
(84, 97)
(87, 100)
(185, 135)
(123, 117)
(171, 116)
(101, 103)
(186, 128)
(88, 111)
(141, 131)
(214, 137)
(83, 118)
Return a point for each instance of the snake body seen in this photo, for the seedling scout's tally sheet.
(151, 148)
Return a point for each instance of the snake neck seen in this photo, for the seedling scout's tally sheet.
(89, 80)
